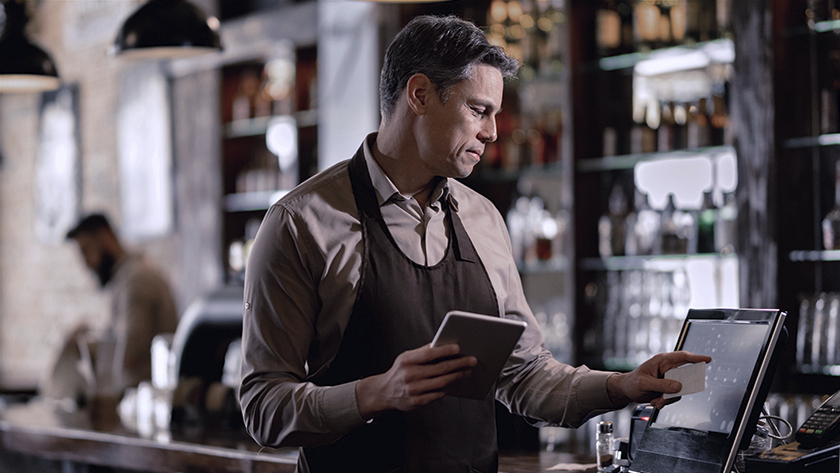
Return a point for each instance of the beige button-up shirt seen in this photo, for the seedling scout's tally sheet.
(300, 287)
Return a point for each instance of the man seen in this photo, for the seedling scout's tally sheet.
(352, 272)
(142, 306)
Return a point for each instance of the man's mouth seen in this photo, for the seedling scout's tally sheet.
(476, 153)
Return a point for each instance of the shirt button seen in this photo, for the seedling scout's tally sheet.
(247, 305)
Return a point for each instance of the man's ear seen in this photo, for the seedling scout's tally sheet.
(417, 92)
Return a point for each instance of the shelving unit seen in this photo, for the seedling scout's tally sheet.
(269, 140)
(612, 141)
(808, 144)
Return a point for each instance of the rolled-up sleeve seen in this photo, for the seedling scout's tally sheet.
(279, 407)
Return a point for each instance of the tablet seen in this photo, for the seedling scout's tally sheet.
(490, 339)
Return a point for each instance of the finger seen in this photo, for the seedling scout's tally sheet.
(679, 358)
(659, 385)
(428, 354)
(661, 402)
(423, 399)
(688, 357)
(436, 384)
(442, 368)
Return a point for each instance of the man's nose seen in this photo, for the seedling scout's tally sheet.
(489, 131)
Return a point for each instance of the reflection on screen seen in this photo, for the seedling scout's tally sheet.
(734, 348)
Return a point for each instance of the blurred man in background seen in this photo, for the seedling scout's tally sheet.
(142, 306)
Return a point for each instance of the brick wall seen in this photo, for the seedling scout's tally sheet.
(45, 290)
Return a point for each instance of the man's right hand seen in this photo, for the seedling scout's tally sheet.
(415, 379)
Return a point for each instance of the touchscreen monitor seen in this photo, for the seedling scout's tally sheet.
(702, 432)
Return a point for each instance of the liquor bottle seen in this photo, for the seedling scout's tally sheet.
(719, 120)
(701, 18)
(663, 25)
(677, 229)
(697, 126)
(706, 221)
(831, 222)
(678, 21)
(726, 228)
(241, 106)
(625, 11)
(818, 332)
(612, 227)
(646, 228)
(646, 24)
(550, 22)
(704, 137)
(608, 29)
(831, 333)
(517, 227)
(665, 133)
(803, 333)
(692, 128)
(680, 114)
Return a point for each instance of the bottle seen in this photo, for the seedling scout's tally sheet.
(241, 106)
(517, 222)
(803, 334)
(706, 220)
(831, 222)
(680, 117)
(665, 38)
(719, 120)
(818, 332)
(608, 29)
(612, 227)
(646, 27)
(678, 21)
(665, 134)
(677, 230)
(726, 227)
(646, 228)
(604, 445)
(831, 333)
(546, 234)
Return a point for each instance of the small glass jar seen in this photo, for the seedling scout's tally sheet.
(604, 445)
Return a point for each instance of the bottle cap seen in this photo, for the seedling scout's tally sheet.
(605, 427)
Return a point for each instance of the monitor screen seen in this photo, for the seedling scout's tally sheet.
(735, 348)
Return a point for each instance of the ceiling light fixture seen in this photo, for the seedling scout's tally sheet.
(24, 67)
(167, 29)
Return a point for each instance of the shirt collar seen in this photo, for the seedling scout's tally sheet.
(383, 186)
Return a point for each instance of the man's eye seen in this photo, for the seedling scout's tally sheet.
(479, 111)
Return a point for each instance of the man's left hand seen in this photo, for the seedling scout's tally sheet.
(645, 383)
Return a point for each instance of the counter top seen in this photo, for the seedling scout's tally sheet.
(48, 432)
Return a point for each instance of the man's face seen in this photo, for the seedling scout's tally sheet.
(453, 134)
(96, 256)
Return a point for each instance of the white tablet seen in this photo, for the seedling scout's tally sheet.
(490, 339)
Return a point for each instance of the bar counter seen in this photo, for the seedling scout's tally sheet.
(45, 432)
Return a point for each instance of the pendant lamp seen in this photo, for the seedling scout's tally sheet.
(24, 67)
(167, 29)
